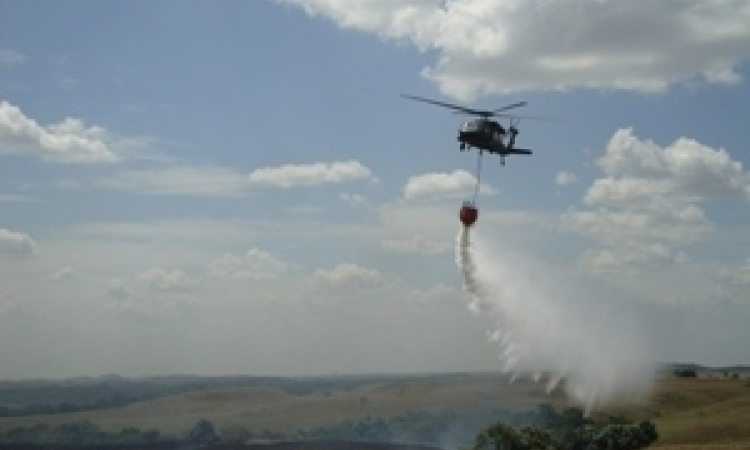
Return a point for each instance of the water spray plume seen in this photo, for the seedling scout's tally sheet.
(592, 348)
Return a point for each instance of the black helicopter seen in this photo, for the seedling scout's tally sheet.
(482, 133)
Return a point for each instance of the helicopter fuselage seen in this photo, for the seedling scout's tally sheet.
(483, 134)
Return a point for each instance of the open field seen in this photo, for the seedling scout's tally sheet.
(702, 411)
(706, 413)
(690, 413)
(261, 408)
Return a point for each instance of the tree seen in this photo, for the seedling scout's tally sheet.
(535, 439)
(499, 437)
(203, 432)
(686, 373)
(582, 435)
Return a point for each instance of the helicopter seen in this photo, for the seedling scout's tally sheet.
(482, 133)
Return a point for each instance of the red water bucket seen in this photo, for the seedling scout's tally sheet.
(468, 214)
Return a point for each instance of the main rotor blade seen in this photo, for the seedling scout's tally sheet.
(505, 108)
(540, 118)
(458, 108)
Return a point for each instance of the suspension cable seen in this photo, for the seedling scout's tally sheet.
(478, 176)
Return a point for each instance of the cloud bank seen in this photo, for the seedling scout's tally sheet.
(16, 244)
(295, 175)
(10, 58)
(347, 274)
(500, 46)
(69, 141)
(648, 204)
(457, 184)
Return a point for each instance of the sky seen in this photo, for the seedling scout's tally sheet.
(238, 187)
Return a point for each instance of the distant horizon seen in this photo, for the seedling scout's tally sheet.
(660, 367)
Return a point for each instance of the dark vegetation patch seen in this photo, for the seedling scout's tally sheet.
(38, 397)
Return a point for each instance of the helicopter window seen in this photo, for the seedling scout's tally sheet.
(471, 125)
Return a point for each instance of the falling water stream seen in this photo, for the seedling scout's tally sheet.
(549, 330)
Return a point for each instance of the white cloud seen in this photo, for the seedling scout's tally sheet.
(15, 198)
(434, 294)
(255, 264)
(732, 280)
(685, 168)
(457, 184)
(738, 274)
(648, 202)
(295, 175)
(353, 199)
(155, 295)
(678, 224)
(209, 181)
(68, 141)
(347, 274)
(166, 280)
(494, 46)
(616, 261)
(16, 244)
(119, 290)
(565, 178)
(416, 244)
(11, 58)
(65, 273)
(10, 307)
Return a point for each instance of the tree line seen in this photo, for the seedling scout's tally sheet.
(540, 429)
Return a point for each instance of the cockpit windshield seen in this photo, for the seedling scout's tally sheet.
(471, 126)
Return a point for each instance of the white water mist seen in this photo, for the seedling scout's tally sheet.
(596, 350)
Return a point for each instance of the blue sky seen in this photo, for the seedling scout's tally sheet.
(238, 187)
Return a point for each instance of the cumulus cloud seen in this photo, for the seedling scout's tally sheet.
(685, 169)
(65, 273)
(732, 280)
(215, 181)
(69, 141)
(565, 178)
(11, 58)
(457, 184)
(738, 274)
(166, 280)
(353, 199)
(648, 203)
(295, 175)
(119, 290)
(415, 244)
(157, 293)
(611, 261)
(434, 294)
(157, 280)
(347, 274)
(494, 46)
(209, 181)
(254, 264)
(16, 244)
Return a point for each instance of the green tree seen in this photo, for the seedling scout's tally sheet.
(686, 373)
(203, 432)
(580, 437)
(535, 438)
(499, 437)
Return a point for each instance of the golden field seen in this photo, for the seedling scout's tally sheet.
(690, 413)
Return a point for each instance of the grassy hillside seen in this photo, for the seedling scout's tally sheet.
(278, 410)
(690, 413)
(701, 411)
(713, 413)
